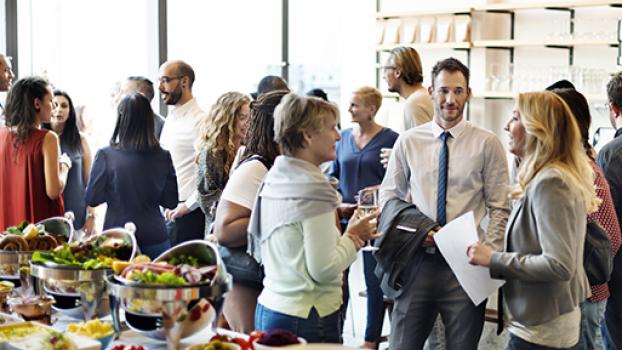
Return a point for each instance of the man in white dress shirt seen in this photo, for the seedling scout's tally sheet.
(448, 167)
(179, 136)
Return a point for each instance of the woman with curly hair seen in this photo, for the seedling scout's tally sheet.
(234, 212)
(220, 135)
(33, 174)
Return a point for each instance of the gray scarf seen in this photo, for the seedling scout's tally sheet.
(293, 190)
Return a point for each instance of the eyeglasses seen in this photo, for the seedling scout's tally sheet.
(386, 68)
(166, 79)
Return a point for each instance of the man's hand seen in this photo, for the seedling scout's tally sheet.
(429, 238)
(178, 212)
(385, 154)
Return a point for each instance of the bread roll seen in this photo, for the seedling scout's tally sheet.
(13, 243)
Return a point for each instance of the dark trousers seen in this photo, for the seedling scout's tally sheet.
(432, 288)
(375, 304)
(187, 227)
(517, 343)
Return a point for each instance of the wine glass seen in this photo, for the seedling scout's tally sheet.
(368, 204)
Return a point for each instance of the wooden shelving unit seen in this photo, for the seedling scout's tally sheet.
(510, 43)
(506, 95)
(503, 44)
(499, 7)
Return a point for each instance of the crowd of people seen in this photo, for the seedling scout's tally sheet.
(274, 181)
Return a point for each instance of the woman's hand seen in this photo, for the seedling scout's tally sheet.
(361, 229)
(89, 225)
(346, 210)
(479, 254)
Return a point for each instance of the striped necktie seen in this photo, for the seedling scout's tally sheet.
(441, 196)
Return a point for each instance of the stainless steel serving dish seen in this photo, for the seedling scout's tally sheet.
(11, 261)
(176, 312)
(81, 293)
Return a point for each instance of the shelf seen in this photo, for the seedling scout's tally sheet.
(448, 11)
(495, 95)
(500, 7)
(546, 5)
(508, 95)
(454, 45)
(552, 43)
(503, 44)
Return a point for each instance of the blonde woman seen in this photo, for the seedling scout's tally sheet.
(358, 166)
(293, 230)
(220, 135)
(543, 257)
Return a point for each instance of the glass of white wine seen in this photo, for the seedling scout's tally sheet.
(368, 204)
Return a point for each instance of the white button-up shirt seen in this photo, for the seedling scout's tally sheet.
(477, 179)
(180, 136)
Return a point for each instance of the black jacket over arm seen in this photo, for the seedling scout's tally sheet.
(405, 228)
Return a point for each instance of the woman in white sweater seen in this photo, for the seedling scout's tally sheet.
(294, 230)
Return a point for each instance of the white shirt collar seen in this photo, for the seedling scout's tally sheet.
(185, 108)
(437, 130)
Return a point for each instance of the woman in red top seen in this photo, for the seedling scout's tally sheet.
(33, 177)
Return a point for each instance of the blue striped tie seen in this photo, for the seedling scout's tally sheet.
(441, 197)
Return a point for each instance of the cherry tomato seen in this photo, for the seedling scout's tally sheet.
(254, 336)
(243, 343)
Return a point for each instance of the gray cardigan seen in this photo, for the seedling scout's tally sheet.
(543, 256)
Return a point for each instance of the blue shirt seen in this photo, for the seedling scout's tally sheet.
(359, 168)
(134, 185)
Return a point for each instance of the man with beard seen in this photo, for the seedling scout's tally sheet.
(403, 73)
(6, 80)
(179, 136)
(447, 167)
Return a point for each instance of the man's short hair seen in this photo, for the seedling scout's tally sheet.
(408, 61)
(269, 83)
(614, 90)
(451, 65)
(144, 86)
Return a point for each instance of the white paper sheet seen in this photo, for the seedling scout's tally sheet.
(453, 240)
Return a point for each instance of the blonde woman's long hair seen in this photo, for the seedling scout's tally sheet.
(217, 132)
(553, 140)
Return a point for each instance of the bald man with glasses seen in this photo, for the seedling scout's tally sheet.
(179, 136)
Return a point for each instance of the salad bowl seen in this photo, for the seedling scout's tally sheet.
(79, 286)
(172, 312)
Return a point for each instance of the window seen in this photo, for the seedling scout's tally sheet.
(86, 48)
(230, 44)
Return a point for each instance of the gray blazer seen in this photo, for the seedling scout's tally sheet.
(543, 257)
